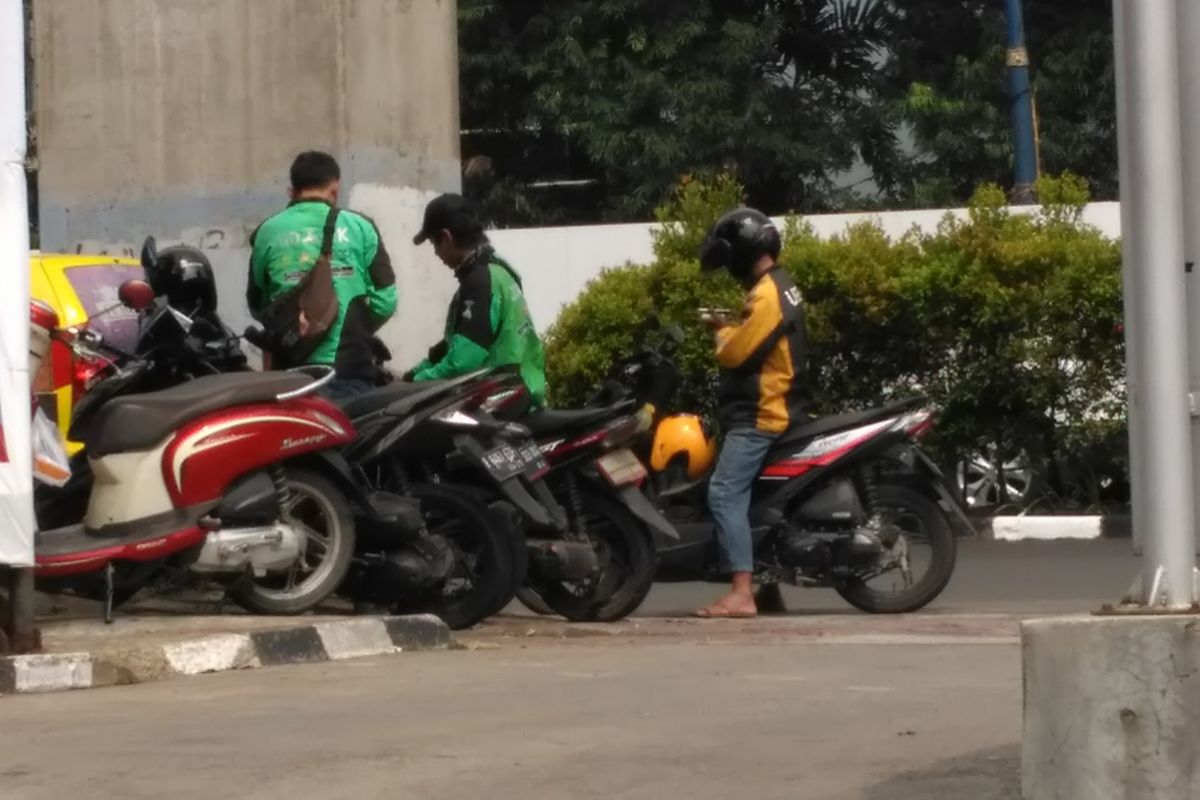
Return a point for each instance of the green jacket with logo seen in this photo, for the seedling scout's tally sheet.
(488, 325)
(287, 245)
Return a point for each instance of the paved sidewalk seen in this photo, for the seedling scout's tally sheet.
(848, 628)
(84, 653)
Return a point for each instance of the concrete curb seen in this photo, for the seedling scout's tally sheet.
(1051, 528)
(301, 644)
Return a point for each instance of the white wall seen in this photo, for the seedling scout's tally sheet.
(557, 263)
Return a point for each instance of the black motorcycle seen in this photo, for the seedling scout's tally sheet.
(591, 536)
(848, 501)
(587, 548)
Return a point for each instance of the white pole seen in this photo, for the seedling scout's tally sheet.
(1189, 112)
(16, 470)
(1137, 470)
(1154, 187)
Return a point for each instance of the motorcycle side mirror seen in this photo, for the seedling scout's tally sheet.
(674, 333)
(653, 323)
(135, 295)
(149, 253)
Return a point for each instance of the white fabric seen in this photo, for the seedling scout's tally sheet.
(16, 473)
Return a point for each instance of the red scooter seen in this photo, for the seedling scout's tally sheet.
(227, 479)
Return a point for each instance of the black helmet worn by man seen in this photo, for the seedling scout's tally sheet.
(737, 241)
(761, 394)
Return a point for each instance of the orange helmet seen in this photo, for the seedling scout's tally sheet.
(682, 435)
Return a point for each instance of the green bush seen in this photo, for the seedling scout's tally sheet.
(1008, 322)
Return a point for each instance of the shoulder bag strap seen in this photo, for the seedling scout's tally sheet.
(330, 230)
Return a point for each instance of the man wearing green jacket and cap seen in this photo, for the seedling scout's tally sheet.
(488, 324)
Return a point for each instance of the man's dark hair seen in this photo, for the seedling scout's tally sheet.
(467, 230)
(314, 170)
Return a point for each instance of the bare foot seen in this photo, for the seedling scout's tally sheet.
(734, 605)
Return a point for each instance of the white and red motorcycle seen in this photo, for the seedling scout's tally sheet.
(229, 480)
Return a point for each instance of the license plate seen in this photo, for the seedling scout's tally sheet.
(507, 461)
(621, 467)
(535, 462)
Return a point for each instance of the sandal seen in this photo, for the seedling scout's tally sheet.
(721, 611)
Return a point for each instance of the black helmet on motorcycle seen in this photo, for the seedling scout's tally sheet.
(185, 277)
(737, 241)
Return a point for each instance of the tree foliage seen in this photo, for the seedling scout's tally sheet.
(584, 110)
(633, 94)
(947, 72)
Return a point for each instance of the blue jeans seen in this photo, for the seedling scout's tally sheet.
(738, 465)
(345, 388)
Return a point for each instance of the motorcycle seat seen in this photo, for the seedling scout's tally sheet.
(378, 399)
(141, 421)
(823, 426)
(550, 420)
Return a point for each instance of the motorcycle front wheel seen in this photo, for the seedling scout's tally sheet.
(926, 539)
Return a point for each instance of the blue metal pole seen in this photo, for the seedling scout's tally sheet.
(1020, 100)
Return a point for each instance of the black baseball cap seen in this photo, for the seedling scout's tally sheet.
(446, 212)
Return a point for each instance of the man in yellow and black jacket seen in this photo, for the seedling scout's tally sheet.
(762, 391)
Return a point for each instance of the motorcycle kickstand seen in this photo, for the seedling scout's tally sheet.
(108, 593)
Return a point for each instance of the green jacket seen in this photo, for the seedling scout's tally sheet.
(288, 244)
(488, 325)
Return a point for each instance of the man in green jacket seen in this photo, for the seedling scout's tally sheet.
(488, 324)
(287, 246)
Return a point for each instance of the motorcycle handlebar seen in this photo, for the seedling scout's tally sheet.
(255, 336)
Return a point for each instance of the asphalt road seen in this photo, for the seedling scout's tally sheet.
(819, 722)
(1034, 578)
(905, 716)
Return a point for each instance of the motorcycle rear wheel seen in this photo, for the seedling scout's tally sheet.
(483, 580)
(506, 519)
(897, 500)
(310, 492)
(533, 601)
(628, 567)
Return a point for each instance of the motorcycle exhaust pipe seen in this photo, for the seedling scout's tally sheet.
(556, 560)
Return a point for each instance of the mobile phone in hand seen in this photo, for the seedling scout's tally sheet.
(714, 316)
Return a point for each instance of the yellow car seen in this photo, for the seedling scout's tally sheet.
(82, 289)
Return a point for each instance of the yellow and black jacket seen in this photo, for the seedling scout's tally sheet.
(762, 359)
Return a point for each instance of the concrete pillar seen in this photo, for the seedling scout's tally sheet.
(1112, 708)
(180, 119)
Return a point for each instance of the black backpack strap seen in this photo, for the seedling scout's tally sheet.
(330, 230)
